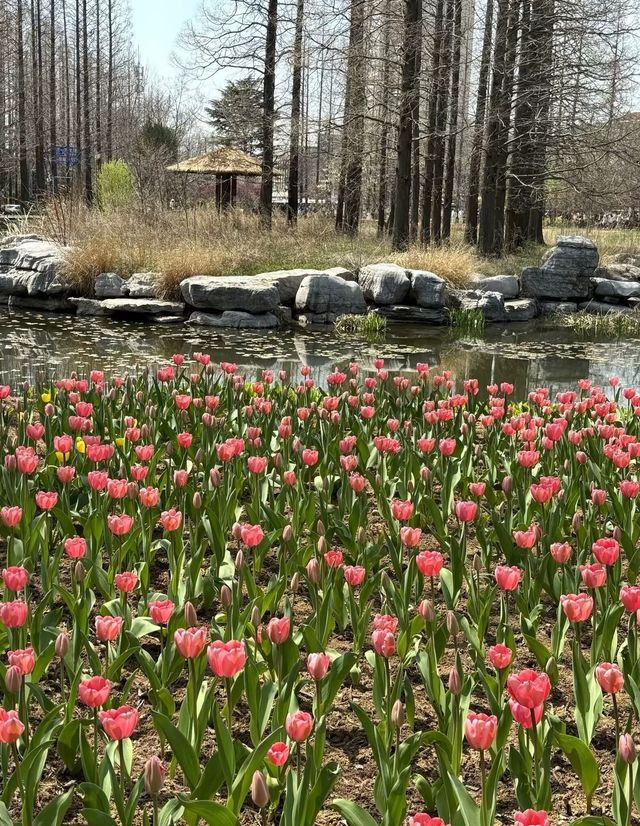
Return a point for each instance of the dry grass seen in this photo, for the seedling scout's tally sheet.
(179, 243)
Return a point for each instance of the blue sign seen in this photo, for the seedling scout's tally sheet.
(67, 155)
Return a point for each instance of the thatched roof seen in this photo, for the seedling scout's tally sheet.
(222, 161)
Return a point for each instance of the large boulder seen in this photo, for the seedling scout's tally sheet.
(287, 282)
(142, 306)
(565, 272)
(619, 271)
(520, 309)
(33, 253)
(428, 289)
(230, 293)
(549, 308)
(384, 283)
(507, 285)
(41, 303)
(31, 282)
(89, 307)
(413, 315)
(605, 288)
(143, 285)
(109, 285)
(491, 304)
(236, 319)
(602, 308)
(320, 294)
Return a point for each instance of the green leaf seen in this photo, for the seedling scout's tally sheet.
(182, 749)
(354, 815)
(94, 817)
(54, 812)
(468, 807)
(581, 758)
(212, 813)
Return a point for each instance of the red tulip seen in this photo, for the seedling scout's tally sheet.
(401, 509)
(522, 715)
(531, 817)
(108, 628)
(318, 665)
(14, 614)
(310, 457)
(298, 726)
(480, 730)
(75, 547)
(560, 552)
(577, 607)
(119, 723)
(278, 754)
(606, 551)
(15, 578)
(161, 610)
(598, 497)
(410, 537)
(149, 497)
(23, 658)
(529, 688)
(46, 500)
(252, 535)
(466, 511)
(422, 819)
(10, 726)
(500, 656)
(94, 692)
(11, 515)
(609, 678)
(526, 539)
(278, 629)
(507, 577)
(119, 524)
(630, 597)
(354, 575)
(384, 642)
(429, 563)
(171, 519)
(226, 659)
(190, 642)
(126, 581)
(593, 575)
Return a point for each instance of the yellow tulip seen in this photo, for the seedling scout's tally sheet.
(80, 446)
(120, 441)
(46, 397)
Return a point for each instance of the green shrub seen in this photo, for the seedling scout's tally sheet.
(116, 188)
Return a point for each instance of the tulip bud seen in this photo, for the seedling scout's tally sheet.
(190, 616)
(154, 774)
(507, 485)
(277, 460)
(144, 430)
(215, 477)
(226, 597)
(78, 571)
(295, 582)
(455, 686)
(425, 609)
(322, 546)
(132, 491)
(464, 429)
(197, 459)
(385, 582)
(617, 533)
(354, 675)
(551, 665)
(259, 791)
(313, 571)
(425, 473)
(627, 748)
(197, 500)
(320, 528)
(397, 715)
(477, 564)
(49, 409)
(255, 616)
(287, 533)
(62, 644)
(410, 486)
(452, 624)
(239, 560)
(576, 522)
(13, 679)
(236, 531)
(361, 536)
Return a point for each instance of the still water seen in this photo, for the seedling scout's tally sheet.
(35, 346)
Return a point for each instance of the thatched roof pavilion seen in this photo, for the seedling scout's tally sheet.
(226, 164)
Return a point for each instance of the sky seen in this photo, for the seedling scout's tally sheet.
(156, 25)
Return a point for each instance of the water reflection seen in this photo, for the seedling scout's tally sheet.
(528, 355)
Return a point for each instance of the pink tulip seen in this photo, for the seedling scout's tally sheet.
(190, 642)
(318, 665)
(480, 730)
(298, 726)
(119, 723)
(226, 659)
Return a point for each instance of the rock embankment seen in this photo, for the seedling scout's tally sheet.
(568, 279)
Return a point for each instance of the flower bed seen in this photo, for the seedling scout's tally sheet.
(400, 600)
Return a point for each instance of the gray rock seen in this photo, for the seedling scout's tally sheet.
(309, 319)
(319, 294)
(548, 308)
(565, 272)
(41, 303)
(109, 285)
(490, 303)
(341, 272)
(413, 315)
(29, 253)
(283, 314)
(31, 282)
(384, 283)
(619, 271)
(230, 292)
(142, 306)
(521, 309)
(602, 308)
(428, 289)
(142, 285)
(286, 282)
(236, 319)
(89, 306)
(604, 288)
(507, 285)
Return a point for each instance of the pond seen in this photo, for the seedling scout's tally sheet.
(529, 355)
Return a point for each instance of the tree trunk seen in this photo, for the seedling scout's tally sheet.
(98, 92)
(110, 83)
(356, 70)
(294, 146)
(427, 187)
(409, 93)
(78, 129)
(266, 184)
(453, 123)
(86, 105)
(471, 217)
(53, 135)
(384, 135)
(25, 188)
(441, 126)
(415, 163)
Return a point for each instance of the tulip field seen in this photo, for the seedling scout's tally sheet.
(400, 601)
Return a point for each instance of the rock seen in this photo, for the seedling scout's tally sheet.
(565, 272)
(142, 285)
(308, 319)
(42, 303)
(237, 319)
(109, 285)
(507, 285)
(283, 314)
(548, 308)
(230, 292)
(521, 309)
(602, 308)
(605, 288)
(428, 289)
(142, 306)
(622, 271)
(384, 283)
(287, 282)
(31, 282)
(341, 272)
(413, 315)
(319, 294)
(89, 307)
(490, 303)
(29, 253)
